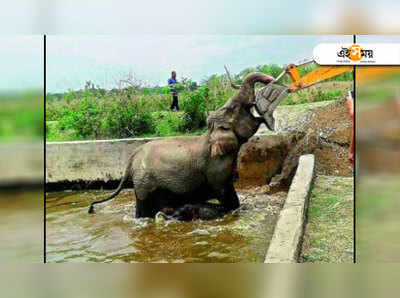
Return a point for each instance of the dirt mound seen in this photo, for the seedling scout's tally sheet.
(332, 126)
(323, 131)
(331, 122)
(260, 159)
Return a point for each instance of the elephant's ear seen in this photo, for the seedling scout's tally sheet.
(223, 142)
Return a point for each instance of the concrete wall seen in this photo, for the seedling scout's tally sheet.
(288, 234)
(89, 160)
(104, 161)
(21, 163)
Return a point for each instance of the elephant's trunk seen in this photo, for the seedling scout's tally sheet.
(250, 80)
(246, 94)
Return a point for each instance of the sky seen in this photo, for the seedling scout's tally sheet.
(21, 62)
(73, 60)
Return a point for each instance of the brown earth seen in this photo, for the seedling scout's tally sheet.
(378, 138)
(327, 133)
(260, 159)
(323, 131)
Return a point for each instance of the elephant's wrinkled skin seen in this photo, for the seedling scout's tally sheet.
(189, 212)
(174, 172)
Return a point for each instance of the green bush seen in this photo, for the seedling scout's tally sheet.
(125, 118)
(85, 121)
(21, 116)
(195, 109)
(94, 118)
(272, 70)
(322, 95)
(289, 101)
(170, 123)
(316, 95)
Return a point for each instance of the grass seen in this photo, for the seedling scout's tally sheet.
(378, 223)
(54, 134)
(320, 92)
(378, 204)
(328, 236)
(378, 91)
(21, 116)
(166, 127)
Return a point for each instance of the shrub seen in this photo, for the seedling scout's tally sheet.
(313, 95)
(91, 117)
(85, 121)
(322, 95)
(170, 123)
(21, 116)
(195, 109)
(126, 118)
(289, 101)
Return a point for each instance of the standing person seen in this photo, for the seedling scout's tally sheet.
(171, 82)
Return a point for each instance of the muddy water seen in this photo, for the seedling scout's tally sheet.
(114, 235)
(21, 226)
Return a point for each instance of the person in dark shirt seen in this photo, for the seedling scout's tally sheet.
(171, 82)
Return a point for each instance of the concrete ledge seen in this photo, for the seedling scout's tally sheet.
(285, 243)
(100, 163)
(89, 161)
(21, 163)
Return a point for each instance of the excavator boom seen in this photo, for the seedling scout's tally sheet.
(319, 74)
(270, 96)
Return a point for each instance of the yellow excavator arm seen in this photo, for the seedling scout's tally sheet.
(269, 97)
(319, 74)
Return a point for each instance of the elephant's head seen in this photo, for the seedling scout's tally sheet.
(246, 124)
(246, 95)
(237, 109)
(229, 127)
(233, 124)
(222, 137)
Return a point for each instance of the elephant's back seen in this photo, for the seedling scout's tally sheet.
(175, 164)
(183, 153)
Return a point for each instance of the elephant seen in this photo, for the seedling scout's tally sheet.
(173, 172)
(189, 212)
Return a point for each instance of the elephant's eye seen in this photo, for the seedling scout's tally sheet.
(224, 127)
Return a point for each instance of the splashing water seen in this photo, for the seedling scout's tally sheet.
(112, 234)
